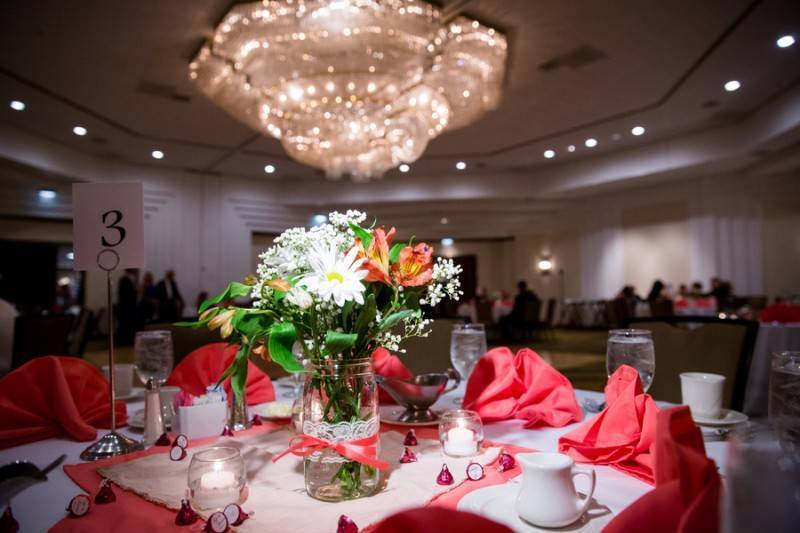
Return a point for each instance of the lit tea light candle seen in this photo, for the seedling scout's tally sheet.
(461, 433)
(460, 442)
(222, 479)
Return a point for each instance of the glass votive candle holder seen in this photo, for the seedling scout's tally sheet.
(461, 433)
(217, 477)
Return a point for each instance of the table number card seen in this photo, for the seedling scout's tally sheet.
(108, 226)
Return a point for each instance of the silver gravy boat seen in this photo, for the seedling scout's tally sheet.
(418, 394)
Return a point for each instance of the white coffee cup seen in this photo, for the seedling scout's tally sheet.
(123, 378)
(702, 392)
(548, 497)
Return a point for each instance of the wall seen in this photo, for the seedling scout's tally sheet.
(495, 260)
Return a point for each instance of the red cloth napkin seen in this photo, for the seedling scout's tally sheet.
(622, 435)
(52, 396)
(437, 519)
(386, 364)
(686, 497)
(524, 386)
(205, 365)
(780, 312)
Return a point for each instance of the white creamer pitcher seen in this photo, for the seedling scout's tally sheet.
(548, 497)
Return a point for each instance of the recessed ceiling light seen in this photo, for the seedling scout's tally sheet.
(461, 165)
(444, 220)
(47, 194)
(549, 154)
(157, 154)
(447, 241)
(404, 168)
(785, 41)
(269, 169)
(591, 142)
(79, 131)
(637, 130)
(16, 105)
(571, 148)
(732, 85)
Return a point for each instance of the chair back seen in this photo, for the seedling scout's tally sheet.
(531, 311)
(80, 332)
(432, 353)
(550, 312)
(37, 335)
(661, 307)
(700, 344)
(483, 310)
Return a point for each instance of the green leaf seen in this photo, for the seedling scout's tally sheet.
(337, 342)
(239, 377)
(233, 290)
(347, 310)
(231, 367)
(394, 318)
(411, 300)
(366, 316)
(394, 253)
(194, 325)
(361, 233)
(281, 339)
(251, 324)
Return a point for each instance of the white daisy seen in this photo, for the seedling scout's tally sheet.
(334, 275)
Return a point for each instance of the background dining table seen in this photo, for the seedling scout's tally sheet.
(41, 506)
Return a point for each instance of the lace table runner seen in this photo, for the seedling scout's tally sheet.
(277, 491)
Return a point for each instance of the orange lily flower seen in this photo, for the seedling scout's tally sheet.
(414, 266)
(377, 255)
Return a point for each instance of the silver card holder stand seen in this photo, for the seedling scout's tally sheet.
(112, 443)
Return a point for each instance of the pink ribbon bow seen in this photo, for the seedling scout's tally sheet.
(364, 451)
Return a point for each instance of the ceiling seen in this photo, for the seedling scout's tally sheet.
(576, 70)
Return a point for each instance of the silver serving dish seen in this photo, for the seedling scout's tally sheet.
(19, 475)
(418, 394)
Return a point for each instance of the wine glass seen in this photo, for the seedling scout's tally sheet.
(467, 345)
(632, 347)
(152, 354)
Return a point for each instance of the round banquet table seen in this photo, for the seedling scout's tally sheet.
(41, 506)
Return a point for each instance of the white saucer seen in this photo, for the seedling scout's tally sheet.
(389, 414)
(498, 503)
(728, 417)
(267, 411)
(136, 393)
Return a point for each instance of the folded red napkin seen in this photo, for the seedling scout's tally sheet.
(51, 396)
(386, 364)
(780, 312)
(524, 386)
(437, 519)
(205, 365)
(686, 497)
(623, 433)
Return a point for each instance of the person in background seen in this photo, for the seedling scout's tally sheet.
(683, 291)
(524, 298)
(697, 289)
(721, 291)
(659, 299)
(202, 297)
(127, 297)
(170, 301)
(658, 292)
(148, 300)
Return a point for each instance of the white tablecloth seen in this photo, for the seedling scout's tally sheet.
(772, 337)
(41, 506)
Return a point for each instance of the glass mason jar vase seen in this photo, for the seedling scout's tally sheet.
(340, 403)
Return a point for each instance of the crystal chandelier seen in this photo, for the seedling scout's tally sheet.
(353, 87)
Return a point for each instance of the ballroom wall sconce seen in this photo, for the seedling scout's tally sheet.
(545, 266)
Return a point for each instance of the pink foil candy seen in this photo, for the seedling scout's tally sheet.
(505, 462)
(444, 477)
(346, 525)
(163, 440)
(186, 516)
(8, 524)
(411, 438)
(227, 432)
(105, 494)
(257, 422)
(408, 456)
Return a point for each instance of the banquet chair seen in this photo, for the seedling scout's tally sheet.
(37, 335)
(700, 344)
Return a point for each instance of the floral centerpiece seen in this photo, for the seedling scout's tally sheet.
(333, 293)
